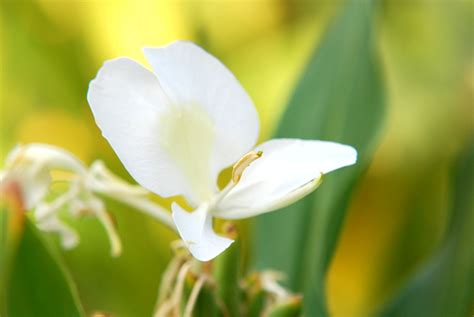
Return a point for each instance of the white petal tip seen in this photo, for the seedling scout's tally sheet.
(195, 229)
(352, 154)
(108, 66)
(205, 252)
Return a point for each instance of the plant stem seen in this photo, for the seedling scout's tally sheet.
(145, 205)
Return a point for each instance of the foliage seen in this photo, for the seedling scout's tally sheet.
(340, 97)
(46, 289)
(441, 287)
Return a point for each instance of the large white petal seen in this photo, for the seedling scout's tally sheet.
(194, 78)
(195, 228)
(165, 147)
(287, 170)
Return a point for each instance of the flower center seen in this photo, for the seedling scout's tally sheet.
(188, 135)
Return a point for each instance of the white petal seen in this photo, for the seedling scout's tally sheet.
(43, 156)
(193, 77)
(152, 137)
(287, 170)
(30, 166)
(195, 228)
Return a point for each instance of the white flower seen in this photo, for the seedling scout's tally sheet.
(31, 167)
(175, 129)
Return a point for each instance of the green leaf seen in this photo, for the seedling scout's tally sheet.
(444, 286)
(340, 97)
(39, 284)
(207, 303)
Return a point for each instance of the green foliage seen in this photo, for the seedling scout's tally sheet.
(443, 285)
(206, 305)
(39, 285)
(4, 256)
(339, 98)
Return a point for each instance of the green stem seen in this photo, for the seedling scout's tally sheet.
(226, 273)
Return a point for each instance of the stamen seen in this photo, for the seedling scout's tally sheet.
(105, 218)
(179, 287)
(188, 311)
(243, 163)
(167, 280)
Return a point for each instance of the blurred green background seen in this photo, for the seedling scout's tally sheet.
(50, 50)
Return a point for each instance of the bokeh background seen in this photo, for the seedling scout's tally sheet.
(50, 50)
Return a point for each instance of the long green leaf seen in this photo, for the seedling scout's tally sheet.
(339, 98)
(444, 285)
(39, 285)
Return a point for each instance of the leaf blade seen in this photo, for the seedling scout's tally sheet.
(340, 98)
(443, 286)
(39, 284)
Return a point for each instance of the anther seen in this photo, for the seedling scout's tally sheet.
(243, 163)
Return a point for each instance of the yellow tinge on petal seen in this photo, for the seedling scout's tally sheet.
(188, 136)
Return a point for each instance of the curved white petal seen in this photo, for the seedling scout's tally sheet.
(195, 228)
(287, 170)
(30, 165)
(43, 156)
(194, 78)
(162, 145)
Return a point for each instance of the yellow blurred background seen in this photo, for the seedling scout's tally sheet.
(50, 50)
